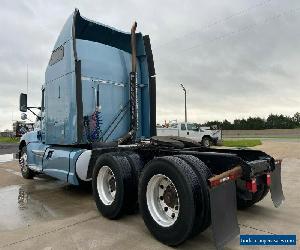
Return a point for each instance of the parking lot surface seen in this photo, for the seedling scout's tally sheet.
(48, 214)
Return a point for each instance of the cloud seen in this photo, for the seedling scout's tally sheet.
(236, 58)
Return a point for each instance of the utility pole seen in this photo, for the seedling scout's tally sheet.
(185, 111)
(27, 81)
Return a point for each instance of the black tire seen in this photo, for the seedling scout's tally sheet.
(136, 169)
(26, 172)
(243, 203)
(124, 182)
(85, 185)
(136, 165)
(265, 192)
(206, 142)
(202, 218)
(188, 189)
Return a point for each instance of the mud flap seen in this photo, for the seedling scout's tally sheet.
(224, 213)
(276, 186)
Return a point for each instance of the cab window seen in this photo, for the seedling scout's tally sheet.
(192, 126)
(57, 55)
(183, 127)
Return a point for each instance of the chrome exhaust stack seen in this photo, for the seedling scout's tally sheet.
(131, 135)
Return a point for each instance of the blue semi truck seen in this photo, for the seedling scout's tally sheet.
(97, 125)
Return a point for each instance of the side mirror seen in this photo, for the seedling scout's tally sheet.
(23, 116)
(23, 102)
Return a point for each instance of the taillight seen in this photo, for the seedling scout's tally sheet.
(251, 186)
(268, 180)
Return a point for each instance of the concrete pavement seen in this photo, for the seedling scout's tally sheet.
(47, 214)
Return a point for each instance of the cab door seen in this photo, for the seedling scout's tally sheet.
(192, 131)
(182, 130)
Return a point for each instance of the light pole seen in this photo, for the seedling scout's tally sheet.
(185, 112)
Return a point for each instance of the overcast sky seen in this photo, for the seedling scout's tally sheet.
(236, 58)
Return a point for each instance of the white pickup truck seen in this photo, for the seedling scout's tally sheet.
(204, 135)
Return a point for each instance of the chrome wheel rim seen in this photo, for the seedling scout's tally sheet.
(23, 162)
(162, 200)
(106, 185)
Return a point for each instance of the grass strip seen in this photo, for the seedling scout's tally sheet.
(241, 143)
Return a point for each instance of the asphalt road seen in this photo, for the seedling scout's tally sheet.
(48, 214)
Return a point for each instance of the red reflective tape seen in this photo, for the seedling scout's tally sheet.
(224, 179)
(234, 176)
(215, 183)
(231, 174)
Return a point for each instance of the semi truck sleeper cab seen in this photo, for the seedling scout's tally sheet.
(97, 124)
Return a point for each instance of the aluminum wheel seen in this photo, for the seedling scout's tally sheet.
(23, 162)
(162, 200)
(106, 185)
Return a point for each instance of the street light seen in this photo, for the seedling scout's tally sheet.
(185, 112)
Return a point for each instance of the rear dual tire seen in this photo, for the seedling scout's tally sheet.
(203, 219)
(114, 183)
(173, 195)
(187, 198)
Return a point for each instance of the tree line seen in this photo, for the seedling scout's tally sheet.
(272, 122)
